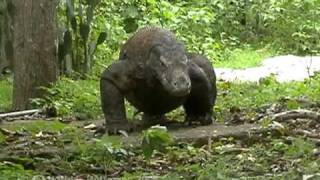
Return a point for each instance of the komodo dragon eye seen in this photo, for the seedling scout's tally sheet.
(163, 61)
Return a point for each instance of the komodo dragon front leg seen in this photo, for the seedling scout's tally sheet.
(114, 82)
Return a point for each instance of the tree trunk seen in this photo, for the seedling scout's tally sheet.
(5, 37)
(35, 57)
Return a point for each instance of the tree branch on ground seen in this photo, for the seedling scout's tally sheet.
(295, 114)
(19, 113)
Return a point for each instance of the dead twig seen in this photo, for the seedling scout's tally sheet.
(307, 133)
(316, 152)
(295, 114)
(235, 150)
(315, 141)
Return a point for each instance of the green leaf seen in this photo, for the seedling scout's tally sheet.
(152, 2)
(130, 25)
(131, 12)
(293, 104)
(155, 138)
(147, 149)
(102, 37)
(84, 31)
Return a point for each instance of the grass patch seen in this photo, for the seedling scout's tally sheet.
(2, 138)
(244, 58)
(36, 126)
(252, 96)
(5, 94)
(79, 98)
(255, 163)
(14, 171)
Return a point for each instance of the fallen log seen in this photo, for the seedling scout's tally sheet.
(19, 113)
(201, 135)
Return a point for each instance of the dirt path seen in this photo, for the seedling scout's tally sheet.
(285, 68)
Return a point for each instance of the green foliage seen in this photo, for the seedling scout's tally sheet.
(77, 45)
(297, 26)
(105, 152)
(37, 126)
(155, 138)
(99, 154)
(244, 57)
(5, 95)
(265, 93)
(14, 171)
(219, 170)
(218, 29)
(279, 146)
(300, 148)
(2, 138)
(211, 27)
(80, 98)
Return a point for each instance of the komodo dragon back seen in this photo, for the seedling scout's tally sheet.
(138, 47)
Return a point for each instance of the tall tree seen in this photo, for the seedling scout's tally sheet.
(5, 36)
(34, 47)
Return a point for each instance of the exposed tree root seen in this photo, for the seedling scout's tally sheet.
(295, 114)
(307, 134)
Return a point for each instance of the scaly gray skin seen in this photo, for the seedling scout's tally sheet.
(203, 94)
(156, 75)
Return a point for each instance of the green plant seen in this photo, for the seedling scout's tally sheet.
(219, 170)
(250, 97)
(155, 138)
(100, 154)
(76, 49)
(5, 95)
(14, 171)
(70, 97)
(36, 126)
(243, 57)
(105, 152)
(2, 138)
(300, 148)
(297, 25)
